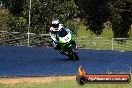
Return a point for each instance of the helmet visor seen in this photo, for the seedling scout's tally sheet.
(55, 25)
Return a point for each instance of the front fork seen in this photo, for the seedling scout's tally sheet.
(74, 46)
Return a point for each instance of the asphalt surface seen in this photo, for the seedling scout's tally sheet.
(34, 61)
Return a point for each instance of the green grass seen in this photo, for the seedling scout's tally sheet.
(82, 31)
(106, 33)
(101, 43)
(64, 84)
(94, 43)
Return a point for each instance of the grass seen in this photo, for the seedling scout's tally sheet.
(94, 43)
(82, 31)
(106, 32)
(64, 84)
(105, 42)
(101, 42)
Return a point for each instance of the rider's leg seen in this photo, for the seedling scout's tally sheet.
(56, 46)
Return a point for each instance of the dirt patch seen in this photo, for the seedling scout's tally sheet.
(16, 80)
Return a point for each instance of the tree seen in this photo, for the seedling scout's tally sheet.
(15, 20)
(96, 14)
(121, 17)
(14, 6)
(43, 11)
(119, 12)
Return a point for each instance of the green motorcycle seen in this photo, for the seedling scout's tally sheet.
(67, 44)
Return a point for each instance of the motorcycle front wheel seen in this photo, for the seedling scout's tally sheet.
(73, 56)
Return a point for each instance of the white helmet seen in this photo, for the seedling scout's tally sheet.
(55, 24)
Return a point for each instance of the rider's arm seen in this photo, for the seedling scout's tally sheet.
(67, 29)
(53, 35)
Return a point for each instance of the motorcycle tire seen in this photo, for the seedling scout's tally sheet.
(74, 56)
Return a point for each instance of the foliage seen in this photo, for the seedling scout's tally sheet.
(119, 12)
(121, 17)
(17, 24)
(94, 12)
(45, 10)
(42, 12)
(14, 6)
(3, 19)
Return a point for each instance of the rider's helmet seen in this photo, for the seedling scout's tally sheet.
(55, 24)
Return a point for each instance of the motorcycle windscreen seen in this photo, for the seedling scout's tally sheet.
(62, 33)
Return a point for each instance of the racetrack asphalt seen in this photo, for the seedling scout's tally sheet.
(38, 61)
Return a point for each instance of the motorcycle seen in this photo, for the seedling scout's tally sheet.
(66, 42)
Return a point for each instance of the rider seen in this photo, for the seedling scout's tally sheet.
(55, 28)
